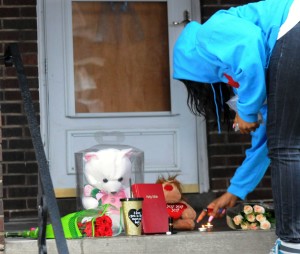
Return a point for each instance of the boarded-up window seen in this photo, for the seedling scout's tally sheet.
(121, 57)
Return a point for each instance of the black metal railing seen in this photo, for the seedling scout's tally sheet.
(46, 198)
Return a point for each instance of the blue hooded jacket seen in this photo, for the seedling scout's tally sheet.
(234, 46)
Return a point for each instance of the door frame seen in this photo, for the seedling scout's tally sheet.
(203, 174)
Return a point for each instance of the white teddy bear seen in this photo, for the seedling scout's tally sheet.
(108, 174)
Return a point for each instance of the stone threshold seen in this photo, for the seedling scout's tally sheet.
(219, 242)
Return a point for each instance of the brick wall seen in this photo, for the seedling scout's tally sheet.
(18, 24)
(1, 196)
(226, 151)
(209, 7)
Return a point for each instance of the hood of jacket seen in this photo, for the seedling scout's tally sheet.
(189, 48)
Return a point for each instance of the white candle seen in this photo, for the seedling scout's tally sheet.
(202, 229)
(209, 226)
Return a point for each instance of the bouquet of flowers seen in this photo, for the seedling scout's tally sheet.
(95, 226)
(250, 216)
(85, 223)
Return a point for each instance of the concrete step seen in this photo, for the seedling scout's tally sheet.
(215, 242)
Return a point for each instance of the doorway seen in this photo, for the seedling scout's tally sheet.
(108, 80)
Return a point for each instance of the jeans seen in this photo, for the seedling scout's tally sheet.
(283, 131)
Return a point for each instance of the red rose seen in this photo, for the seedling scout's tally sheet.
(88, 229)
(104, 220)
(108, 231)
(102, 227)
(80, 226)
(99, 231)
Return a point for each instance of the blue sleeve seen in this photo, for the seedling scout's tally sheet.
(240, 52)
(253, 168)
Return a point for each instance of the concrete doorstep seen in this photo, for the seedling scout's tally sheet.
(230, 242)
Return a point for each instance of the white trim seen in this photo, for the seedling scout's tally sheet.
(42, 65)
(68, 58)
(195, 10)
(123, 114)
(203, 175)
(123, 0)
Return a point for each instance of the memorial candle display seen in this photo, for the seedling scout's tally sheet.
(206, 227)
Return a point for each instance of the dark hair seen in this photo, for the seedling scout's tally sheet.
(203, 99)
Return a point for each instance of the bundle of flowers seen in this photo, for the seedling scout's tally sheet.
(85, 223)
(95, 226)
(250, 216)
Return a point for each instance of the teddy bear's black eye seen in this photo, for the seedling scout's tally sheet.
(120, 179)
(105, 180)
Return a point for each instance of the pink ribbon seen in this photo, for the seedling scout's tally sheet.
(113, 199)
(106, 198)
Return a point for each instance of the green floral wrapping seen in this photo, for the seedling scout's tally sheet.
(69, 224)
(86, 223)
